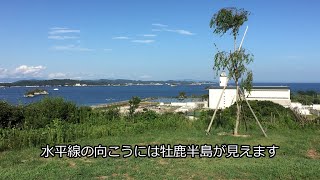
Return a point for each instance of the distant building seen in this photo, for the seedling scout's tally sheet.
(306, 109)
(276, 94)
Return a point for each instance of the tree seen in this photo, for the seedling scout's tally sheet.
(10, 116)
(182, 95)
(204, 97)
(236, 61)
(133, 104)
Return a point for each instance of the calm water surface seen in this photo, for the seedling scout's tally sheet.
(93, 95)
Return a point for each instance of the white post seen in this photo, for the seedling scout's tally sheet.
(215, 111)
(245, 32)
(264, 133)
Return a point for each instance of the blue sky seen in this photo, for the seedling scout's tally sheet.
(153, 40)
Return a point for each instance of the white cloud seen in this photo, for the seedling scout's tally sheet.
(70, 47)
(159, 25)
(147, 41)
(156, 30)
(145, 76)
(58, 75)
(107, 49)
(62, 37)
(3, 72)
(29, 70)
(179, 31)
(121, 37)
(162, 27)
(149, 35)
(58, 30)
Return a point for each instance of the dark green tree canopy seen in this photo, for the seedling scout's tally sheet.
(229, 19)
(133, 104)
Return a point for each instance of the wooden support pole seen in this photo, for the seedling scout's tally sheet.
(215, 111)
(264, 133)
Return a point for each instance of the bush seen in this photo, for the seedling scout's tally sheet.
(269, 114)
(53, 120)
(39, 114)
(147, 116)
(10, 116)
(83, 113)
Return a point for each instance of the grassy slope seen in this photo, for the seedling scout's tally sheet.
(291, 162)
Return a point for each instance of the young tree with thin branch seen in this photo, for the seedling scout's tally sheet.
(236, 61)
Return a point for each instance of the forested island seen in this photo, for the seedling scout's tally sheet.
(35, 92)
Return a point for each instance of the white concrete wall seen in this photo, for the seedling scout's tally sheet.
(316, 106)
(279, 96)
(304, 111)
(186, 104)
(296, 105)
(269, 94)
(227, 99)
(223, 81)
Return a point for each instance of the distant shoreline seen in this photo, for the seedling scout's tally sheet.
(120, 103)
(100, 82)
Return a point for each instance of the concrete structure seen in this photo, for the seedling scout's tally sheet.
(315, 112)
(276, 94)
(316, 106)
(295, 105)
(306, 109)
(223, 79)
(185, 106)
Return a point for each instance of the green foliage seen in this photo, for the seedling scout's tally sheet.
(51, 127)
(235, 62)
(270, 114)
(204, 97)
(306, 97)
(292, 160)
(83, 113)
(147, 116)
(182, 95)
(98, 124)
(308, 92)
(39, 114)
(246, 83)
(113, 113)
(33, 92)
(10, 116)
(133, 104)
(228, 19)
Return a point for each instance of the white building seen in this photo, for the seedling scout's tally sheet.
(276, 94)
(306, 109)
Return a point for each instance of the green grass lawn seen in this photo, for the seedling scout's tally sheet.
(297, 158)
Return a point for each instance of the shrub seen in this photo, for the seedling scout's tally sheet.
(39, 114)
(133, 104)
(83, 113)
(10, 116)
(147, 116)
(270, 115)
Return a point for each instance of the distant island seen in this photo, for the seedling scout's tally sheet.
(100, 82)
(35, 92)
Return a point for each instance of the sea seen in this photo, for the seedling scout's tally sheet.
(96, 95)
